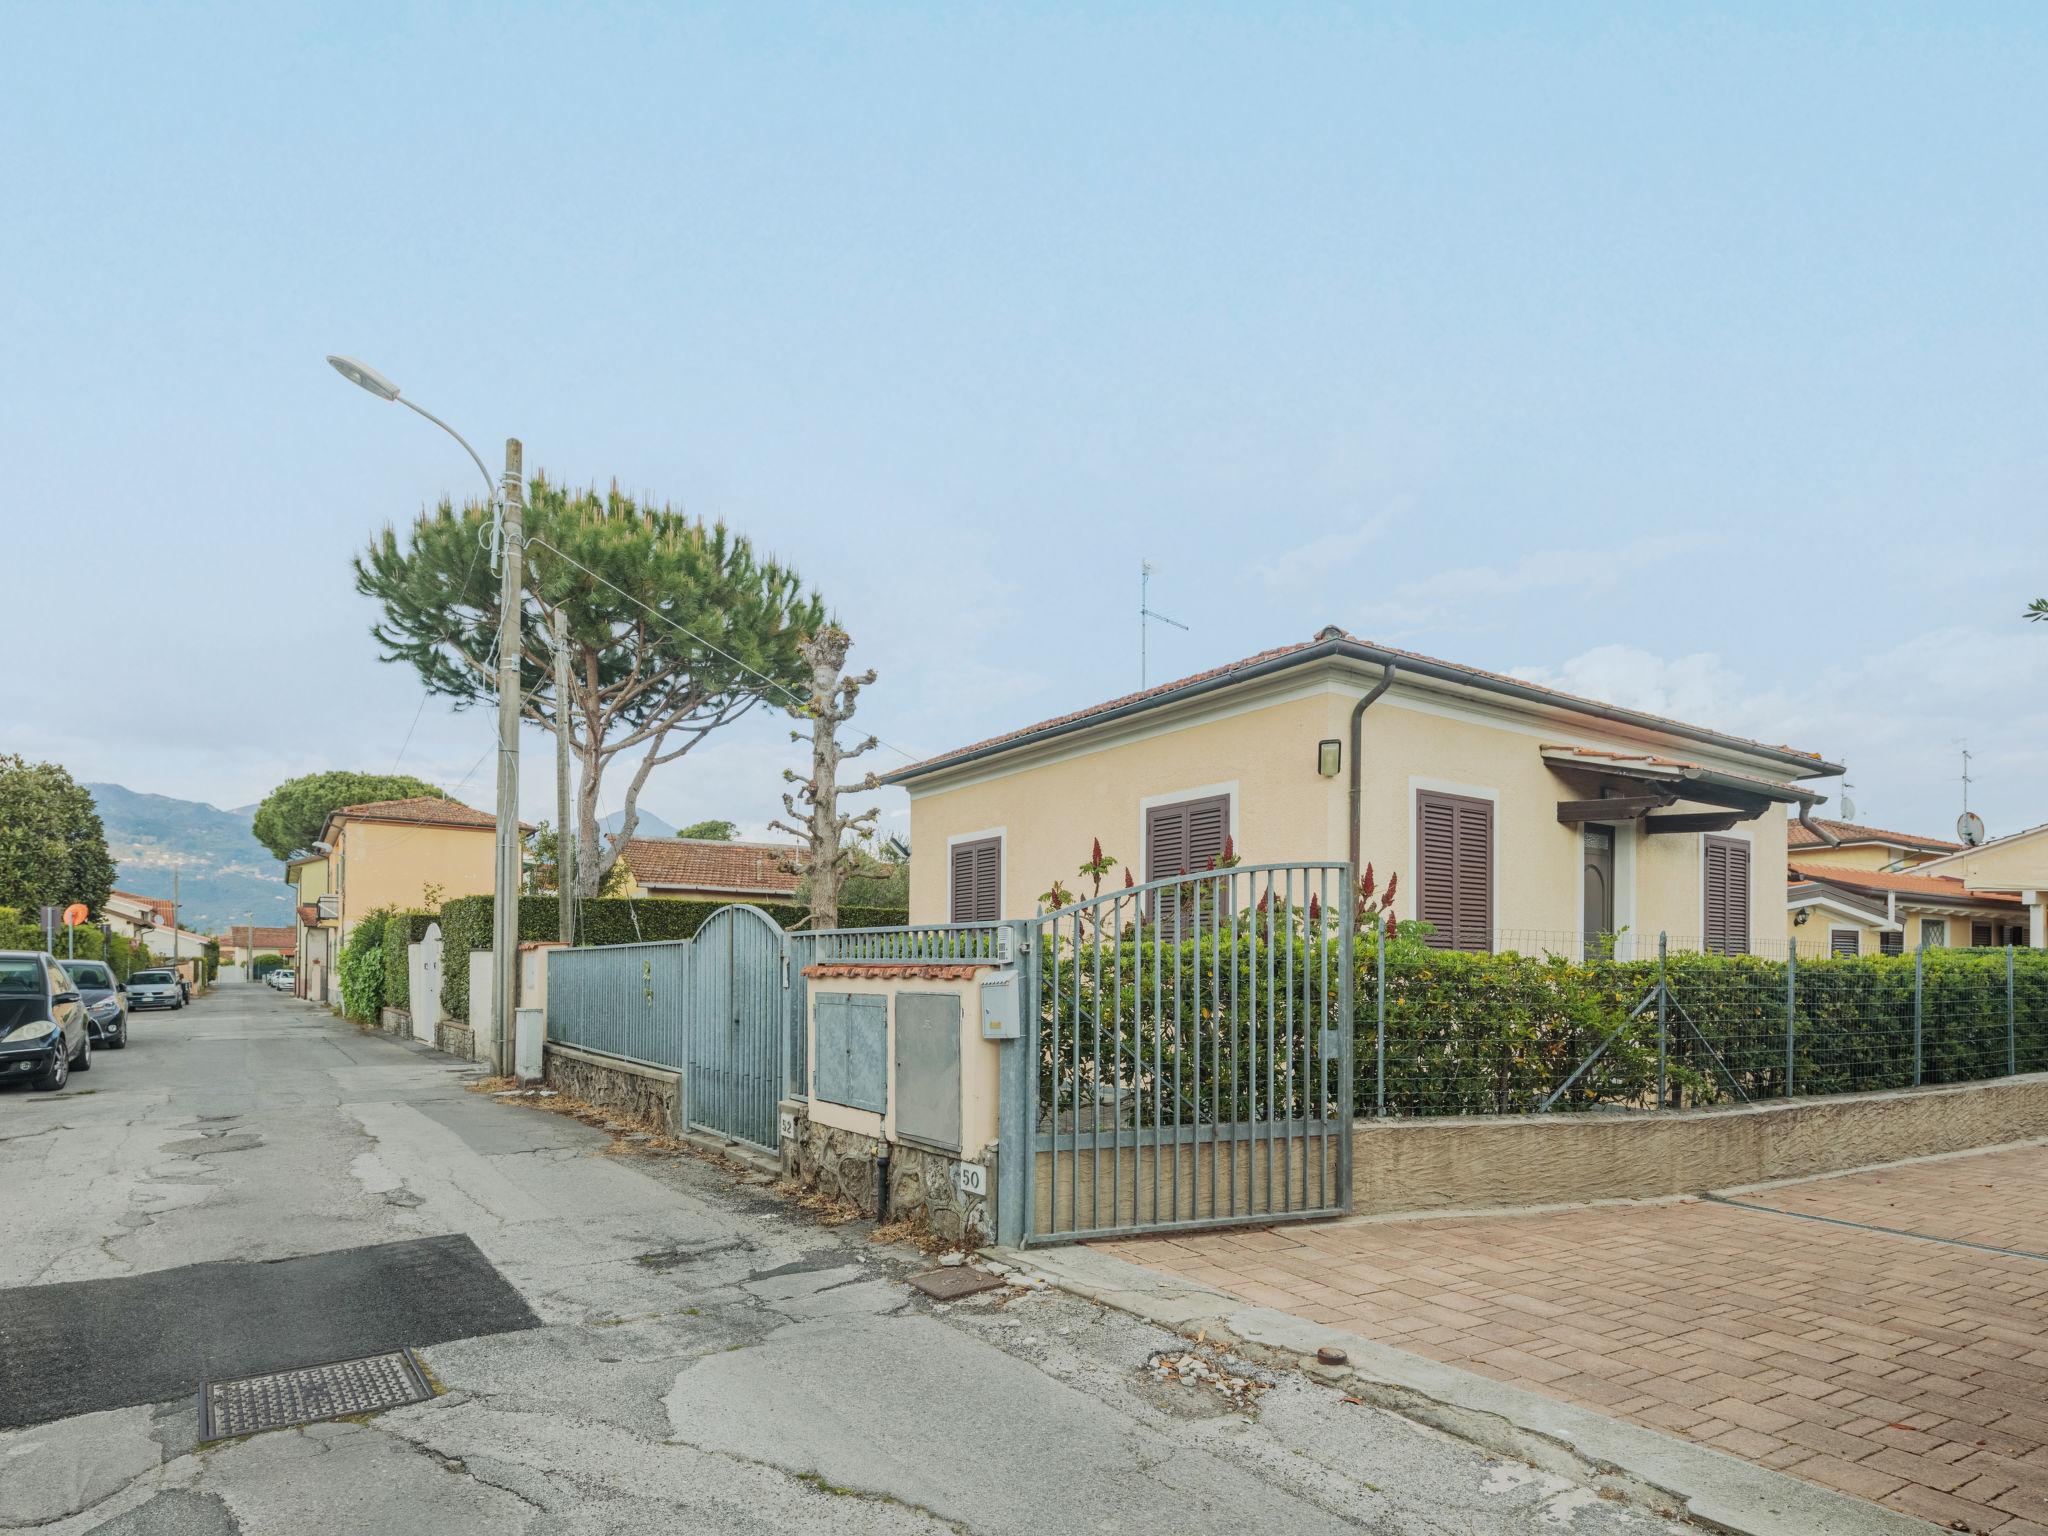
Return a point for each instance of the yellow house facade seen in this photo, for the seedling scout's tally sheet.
(1857, 846)
(1515, 816)
(1841, 910)
(404, 853)
(315, 919)
(2014, 866)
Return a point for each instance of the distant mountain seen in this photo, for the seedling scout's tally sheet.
(648, 824)
(223, 872)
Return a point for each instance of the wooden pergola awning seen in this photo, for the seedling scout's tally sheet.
(1654, 783)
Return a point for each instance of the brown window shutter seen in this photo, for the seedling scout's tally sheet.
(1454, 883)
(977, 881)
(1845, 941)
(1891, 943)
(1726, 915)
(1184, 838)
(1980, 935)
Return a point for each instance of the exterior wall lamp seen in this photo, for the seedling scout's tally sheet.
(1329, 757)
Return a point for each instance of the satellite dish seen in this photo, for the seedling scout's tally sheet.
(1970, 829)
(1848, 809)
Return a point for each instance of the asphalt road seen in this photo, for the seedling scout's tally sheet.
(626, 1343)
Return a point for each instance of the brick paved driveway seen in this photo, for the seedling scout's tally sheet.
(1912, 1370)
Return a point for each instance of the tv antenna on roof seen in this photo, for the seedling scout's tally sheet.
(1969, 825)
(1848, 805)
(1145, 618)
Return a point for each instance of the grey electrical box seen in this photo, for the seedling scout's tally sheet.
(1000, 1012)
(928, 1069)
(853, 1049)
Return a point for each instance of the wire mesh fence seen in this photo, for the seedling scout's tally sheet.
(1540, 1025)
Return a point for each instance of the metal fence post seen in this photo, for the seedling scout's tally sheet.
(1379, 1007)
(2012, 1064)
(1663, 994)
(1919, 974)
(1791, 1004)
(1016, 1095)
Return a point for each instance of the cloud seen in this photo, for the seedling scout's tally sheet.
(1465, 596)
(1306, 564)
(1698, 687)
(1897, 716)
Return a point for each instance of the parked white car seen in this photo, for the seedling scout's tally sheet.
(283, 980)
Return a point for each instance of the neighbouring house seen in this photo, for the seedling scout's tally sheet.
(316, 915)
(1837, 910)
(402, 853)
(151, 922)
(711, 871)
(1516, 816)
(135, 917)
(242, 943)
(1860, 847)
(2015, 865)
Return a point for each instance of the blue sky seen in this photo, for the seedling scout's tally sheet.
(1691, 357)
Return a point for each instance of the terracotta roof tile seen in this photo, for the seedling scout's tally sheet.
(421, 810)
(1905, 883)
(1477, 675)
(689, 863)
(275, 939)
(895, 970)
(161, 906)
(1854, 832)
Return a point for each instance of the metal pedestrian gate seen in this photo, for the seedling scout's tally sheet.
(1187, 1054)
(734, 1026)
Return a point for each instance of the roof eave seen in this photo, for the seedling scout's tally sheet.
(1355, 650)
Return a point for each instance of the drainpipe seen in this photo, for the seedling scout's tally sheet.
(1357, 736)
(1805, 820)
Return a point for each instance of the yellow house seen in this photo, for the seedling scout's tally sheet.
(1516, 816)
(405, 853)
(2014, 866)
(317, 911)
(1859, 847)
(1842, 910)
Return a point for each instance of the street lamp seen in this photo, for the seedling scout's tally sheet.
(506, 507)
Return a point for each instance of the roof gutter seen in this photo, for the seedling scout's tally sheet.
(1354, 650)
(1358, 710)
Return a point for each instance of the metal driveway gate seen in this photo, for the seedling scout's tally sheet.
(735, 1025)
(1186, 1054)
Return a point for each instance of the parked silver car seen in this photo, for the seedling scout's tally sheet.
(154, 989)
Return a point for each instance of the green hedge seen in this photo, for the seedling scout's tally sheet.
(466, 925)
(1473, 1034)
(401, 930)
(1496, 1034)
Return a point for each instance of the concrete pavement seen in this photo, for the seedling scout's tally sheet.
(702, 1356)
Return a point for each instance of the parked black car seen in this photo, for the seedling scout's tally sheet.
(106, 1001)
(44, 1033)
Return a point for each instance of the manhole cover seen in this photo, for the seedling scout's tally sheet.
(952, 1284)
(253, 1403)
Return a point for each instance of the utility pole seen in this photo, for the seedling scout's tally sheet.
(565, 836)
(505, 913)
(174, 921)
